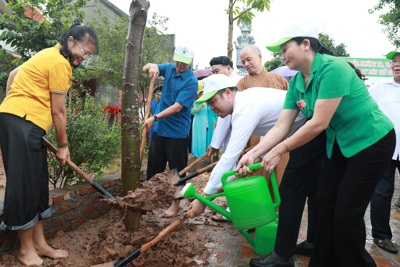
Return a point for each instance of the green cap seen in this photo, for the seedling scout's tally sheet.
(275, 47)
(391, 54)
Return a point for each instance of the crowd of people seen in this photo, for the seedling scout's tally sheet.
(331, 142)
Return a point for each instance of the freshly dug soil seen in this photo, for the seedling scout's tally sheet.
(105, 239)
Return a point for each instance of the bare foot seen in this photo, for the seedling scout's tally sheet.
(172, 210)
(29, 258)
(52, 253)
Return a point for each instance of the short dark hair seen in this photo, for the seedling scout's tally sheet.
(221, 60)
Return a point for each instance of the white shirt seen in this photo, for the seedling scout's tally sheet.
(386, 93)
(222, 131)
(255, 112)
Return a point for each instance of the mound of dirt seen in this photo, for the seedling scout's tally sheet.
(105, 239)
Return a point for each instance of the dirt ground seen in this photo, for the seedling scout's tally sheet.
(105, 239)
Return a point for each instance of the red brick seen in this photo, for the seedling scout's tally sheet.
(58, 199)
(64, 208)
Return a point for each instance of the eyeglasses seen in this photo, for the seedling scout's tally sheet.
(396, 61)
(86, 54)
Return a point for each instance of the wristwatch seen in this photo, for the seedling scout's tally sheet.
(155, 117)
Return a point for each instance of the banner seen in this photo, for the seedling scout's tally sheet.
(372, 67)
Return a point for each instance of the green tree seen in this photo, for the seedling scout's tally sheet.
(390, 20)
(325, 39)
(108, 68)
(28, 34)
(93, 142)
(241, 11)
(7, 64)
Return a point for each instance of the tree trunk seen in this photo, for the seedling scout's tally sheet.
(130, 124)
(230, 30)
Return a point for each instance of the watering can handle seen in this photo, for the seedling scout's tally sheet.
(230, 173)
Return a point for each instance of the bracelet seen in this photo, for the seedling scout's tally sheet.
(287, 148)
(64, 145)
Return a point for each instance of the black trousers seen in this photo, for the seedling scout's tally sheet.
(300, 182)
(163, 150)
(347, 187)
(381, 203)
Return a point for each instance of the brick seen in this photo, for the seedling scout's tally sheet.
(64, 208)
(76, 223)
(57, 199)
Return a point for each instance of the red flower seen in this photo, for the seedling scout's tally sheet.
(301, 104)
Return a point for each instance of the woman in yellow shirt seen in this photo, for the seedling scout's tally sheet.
(35, 101)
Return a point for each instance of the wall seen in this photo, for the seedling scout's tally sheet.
(74, 205)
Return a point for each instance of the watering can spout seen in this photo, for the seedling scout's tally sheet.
(189, 191)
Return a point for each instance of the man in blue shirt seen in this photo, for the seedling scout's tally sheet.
(171, 119)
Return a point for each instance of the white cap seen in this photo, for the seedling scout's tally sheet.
(212, 84)
(301, 29)
(183, 54)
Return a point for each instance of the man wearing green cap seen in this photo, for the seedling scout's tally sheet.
(172, 117)
(386, 93)
(254, 111)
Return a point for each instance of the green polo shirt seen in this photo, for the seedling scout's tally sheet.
(358, 122)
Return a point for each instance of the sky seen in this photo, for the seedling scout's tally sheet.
(203, 25)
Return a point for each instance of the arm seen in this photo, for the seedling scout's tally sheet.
(323, 113)
(11, 79)
(175, 108)
(59, 114)
(272, 138)
(152, 70)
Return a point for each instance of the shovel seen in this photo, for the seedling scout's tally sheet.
(182, 181)
(173, 177)
(145, 247)
(80, 172)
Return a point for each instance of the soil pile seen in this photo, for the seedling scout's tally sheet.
(105, 239)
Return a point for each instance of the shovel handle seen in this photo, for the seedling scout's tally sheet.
(182, 172)
(145, 247)
(194, 174)
(79, 171)
(146, 116)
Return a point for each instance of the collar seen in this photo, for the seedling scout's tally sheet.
(185, 74)
(314, 68)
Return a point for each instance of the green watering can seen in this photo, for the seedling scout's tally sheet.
(251, 207)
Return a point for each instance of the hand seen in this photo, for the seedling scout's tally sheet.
(195, 208)
(211, 152)
(148, 123)
(62, 155)
(271, 159)
(154, 72)
(241, 166)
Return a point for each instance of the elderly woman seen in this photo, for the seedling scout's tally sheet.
(35, 101)
(359, 145)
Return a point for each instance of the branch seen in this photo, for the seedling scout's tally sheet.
(241, 13)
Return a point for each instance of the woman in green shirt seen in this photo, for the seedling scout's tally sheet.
(359, 146)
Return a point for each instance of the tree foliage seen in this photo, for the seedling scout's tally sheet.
(390, 20)
(241, 11)
(325, 39)
(93, 142)
(24, 29)
(7, 64)
(109, 67)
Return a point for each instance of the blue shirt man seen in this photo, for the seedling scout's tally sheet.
(171, 120)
